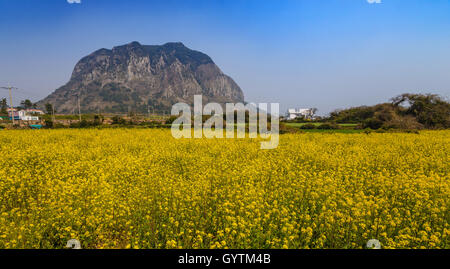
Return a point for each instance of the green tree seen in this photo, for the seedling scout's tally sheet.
(4, 106)
(26, 104)
(430, 110)
(48, 123)
(49, 108)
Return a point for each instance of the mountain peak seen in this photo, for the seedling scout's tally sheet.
(134, 44)
(174, 44)
(138, 76)
(131, 45)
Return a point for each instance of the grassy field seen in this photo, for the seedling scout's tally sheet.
(298, 125)
(339, 131)
(140, 188)
(346, 128)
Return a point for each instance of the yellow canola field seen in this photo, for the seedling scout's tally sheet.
(141, 188)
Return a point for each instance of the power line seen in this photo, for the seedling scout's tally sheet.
(79, 107)
(28, 93)
(10, 101)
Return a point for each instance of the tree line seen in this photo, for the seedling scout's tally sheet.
(24, 104)
(406, 111)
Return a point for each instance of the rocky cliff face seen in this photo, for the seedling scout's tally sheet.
(134, 77)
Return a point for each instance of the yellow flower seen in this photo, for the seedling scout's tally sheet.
(141, 188)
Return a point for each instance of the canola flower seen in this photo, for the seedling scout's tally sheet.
(128, 188)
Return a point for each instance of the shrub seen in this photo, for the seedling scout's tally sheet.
(372, 123)
(328, 126)
(119, 120)
(74, 125)
(48, 123)
(404, 122)
(308, 126)
(171, 119)
(285, 129)
(84, 124)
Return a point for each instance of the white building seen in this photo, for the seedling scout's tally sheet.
(25, 115)
(301, 113)
(34, 111)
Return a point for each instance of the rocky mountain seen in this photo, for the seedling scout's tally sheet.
(136, 77)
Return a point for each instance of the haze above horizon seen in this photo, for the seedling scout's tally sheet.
(301, 53)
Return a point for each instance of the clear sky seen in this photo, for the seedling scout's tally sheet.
(302, 53)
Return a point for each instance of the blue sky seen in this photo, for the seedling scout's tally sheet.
(302, 53)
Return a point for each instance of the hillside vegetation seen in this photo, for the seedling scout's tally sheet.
(407, 111)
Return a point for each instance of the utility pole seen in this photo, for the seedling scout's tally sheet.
(11, 105)
(10, 101)
(79, 109)
(53, 114)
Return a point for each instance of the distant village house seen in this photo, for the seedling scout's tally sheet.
(25, 114)
(307, 113)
